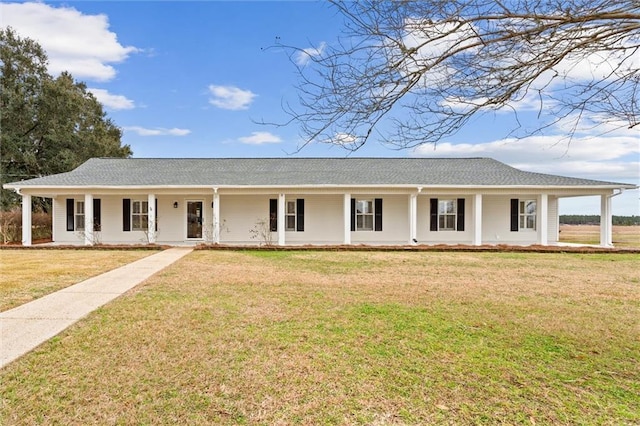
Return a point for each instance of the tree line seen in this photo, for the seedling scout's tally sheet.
(583, 219)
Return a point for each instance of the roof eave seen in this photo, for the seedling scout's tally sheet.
(307, 186)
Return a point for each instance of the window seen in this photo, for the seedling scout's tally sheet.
(523, 215)
(290, 216)
(293, 215)
(139, 215)
(76, 215)
(527, 214)
(364, 215)
(447, 215)
(79, 217)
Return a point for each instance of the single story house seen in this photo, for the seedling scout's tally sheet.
(308, 201)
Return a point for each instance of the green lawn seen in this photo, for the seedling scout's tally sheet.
(349, 338)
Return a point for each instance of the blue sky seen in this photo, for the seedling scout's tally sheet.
(190, 79)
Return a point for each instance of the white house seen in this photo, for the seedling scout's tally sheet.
(315, 201)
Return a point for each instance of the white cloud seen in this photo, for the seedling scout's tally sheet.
(432, 39)
(305, 55)
(621, 56)
(259, 138)
(112, 101)
(594, 157)
(75, 42)
(230, 97)
(530, 101)
(543, 148)
(344, 139)
(158, 131)
(605, 170)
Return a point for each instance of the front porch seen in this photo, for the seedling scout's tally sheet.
(295, 217)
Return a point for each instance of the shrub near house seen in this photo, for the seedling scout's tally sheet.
(11, 226)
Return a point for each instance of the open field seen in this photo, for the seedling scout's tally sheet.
(28, 274)
(225, 337)
(623, 236)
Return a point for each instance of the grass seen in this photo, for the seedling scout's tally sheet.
(28, 274)
(349, 338)
(623, 236)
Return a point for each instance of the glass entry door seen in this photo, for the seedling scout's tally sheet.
(194, 219)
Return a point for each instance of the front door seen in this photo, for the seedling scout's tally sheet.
(194, 219)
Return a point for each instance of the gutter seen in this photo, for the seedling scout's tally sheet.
(615, 194)
(614, 187)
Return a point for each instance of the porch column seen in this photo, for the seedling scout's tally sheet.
(544, 219)
(151, 218)
(281, 224)
(477, 220)
(26, 220)
(216, 216)
(53, 219)
(347, 219)
(606, 238)
(413, 218)
(89, 238)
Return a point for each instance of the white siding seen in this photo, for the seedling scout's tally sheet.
(395, 221)
(426, 236)
(171, 221)
(112, 227)
(496, 222)
(239, 214)
(60, 222)
(324, 219)
(553, 221)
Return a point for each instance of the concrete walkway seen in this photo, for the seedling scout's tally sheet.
(27, 326)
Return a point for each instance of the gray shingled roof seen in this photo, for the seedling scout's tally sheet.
(100, 172)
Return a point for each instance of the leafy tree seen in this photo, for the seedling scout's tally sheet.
(47, 125)
(425, 68)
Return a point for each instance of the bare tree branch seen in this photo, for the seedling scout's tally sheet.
(416, 72)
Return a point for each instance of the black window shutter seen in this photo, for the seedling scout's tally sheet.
(273, 214)
(126, 214)
(460, 215)
(353, 214)
(300, 214)
(433, 224)
(377, 214)
(156, 213)
(514, 214)
(97, 214)
(70, 206)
